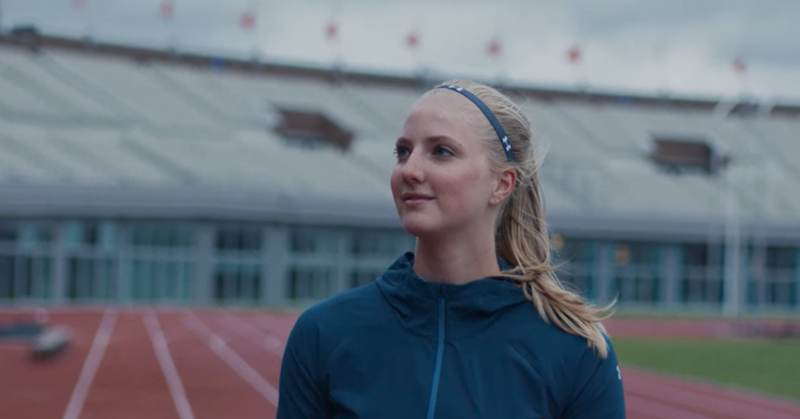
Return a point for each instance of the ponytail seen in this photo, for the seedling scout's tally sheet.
(523, 241)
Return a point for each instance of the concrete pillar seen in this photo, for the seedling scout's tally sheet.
(59, 284)
(122, 278)
(275, 265)
(203, 275)
(670, 271)
(343, 266)
(604, 271)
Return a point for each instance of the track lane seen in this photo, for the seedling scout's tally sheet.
(213, 388)
(43, 390)
(129, 383)
(705, 398)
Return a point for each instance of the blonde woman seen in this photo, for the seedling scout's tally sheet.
(473, 323)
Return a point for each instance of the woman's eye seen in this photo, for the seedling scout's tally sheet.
(442, 151)
(400, 151)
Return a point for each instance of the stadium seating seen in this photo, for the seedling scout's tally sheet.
(87, 136)
(165, 125)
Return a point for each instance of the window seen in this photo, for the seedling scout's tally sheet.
(636, 274)
(160, 236)
(779, 279)
(677, 155)
(313, 241)
(701, 280)
(90, 235)
(90, 278)
(159, 267)
(309, 283)
(237, 240)
(575, 258)
(25, 277)
(8, 233)
(90, 265)
(237, 274)
(363, 276)
(237, 282)
(380, 243)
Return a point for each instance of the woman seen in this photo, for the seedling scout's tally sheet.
(473, 323)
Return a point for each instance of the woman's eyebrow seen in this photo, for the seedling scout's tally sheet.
(439, 138)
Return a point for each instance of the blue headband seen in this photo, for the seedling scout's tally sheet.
(501, 134)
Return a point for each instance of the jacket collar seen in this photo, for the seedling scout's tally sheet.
(468, 307)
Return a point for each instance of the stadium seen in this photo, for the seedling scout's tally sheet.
(142, 176)
(165, 216)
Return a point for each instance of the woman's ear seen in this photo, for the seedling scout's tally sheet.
(506, 181)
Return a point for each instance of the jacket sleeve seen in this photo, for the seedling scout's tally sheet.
(597, 390)
(303, 393)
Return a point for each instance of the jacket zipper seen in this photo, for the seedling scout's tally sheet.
(439, 354)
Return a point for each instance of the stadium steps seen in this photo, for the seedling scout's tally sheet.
(16, 98)
(58, 70)
(27, 64)
(296, 94)
(154, 156)
(205, 87)
(391, 102)
(581, 124)
(41, 146)
(58, 172)
(18, 169)
(47, 96)
(107, 157)
(776, 139)
(193, 98)
(369, 108)
(133, 89)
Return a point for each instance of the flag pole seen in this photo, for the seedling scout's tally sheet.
(2, 26)
(255, 37)
(333, 37)
(167, 14)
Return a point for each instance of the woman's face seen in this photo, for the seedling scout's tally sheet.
(442, 182)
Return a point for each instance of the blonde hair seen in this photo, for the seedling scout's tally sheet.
(521, 233)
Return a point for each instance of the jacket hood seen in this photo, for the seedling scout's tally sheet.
(469, 307)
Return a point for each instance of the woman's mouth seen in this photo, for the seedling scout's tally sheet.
(410, 198)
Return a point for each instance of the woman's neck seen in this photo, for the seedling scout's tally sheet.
(455, 260)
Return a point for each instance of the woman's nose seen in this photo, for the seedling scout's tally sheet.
(413, 169)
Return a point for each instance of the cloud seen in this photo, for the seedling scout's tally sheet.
(684, 45)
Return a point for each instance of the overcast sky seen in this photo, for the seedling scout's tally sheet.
(686, 47)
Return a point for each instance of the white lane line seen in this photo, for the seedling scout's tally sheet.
(168, 366)
(261, 338)
(218, 345)
(270, 327)
(91, 364)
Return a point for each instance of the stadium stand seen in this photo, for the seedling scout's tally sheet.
(134, 175)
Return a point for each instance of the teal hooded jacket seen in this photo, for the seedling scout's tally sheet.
(404, 348)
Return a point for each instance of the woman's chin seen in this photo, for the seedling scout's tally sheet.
(419, 226)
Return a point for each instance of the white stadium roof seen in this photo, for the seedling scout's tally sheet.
(93, 134)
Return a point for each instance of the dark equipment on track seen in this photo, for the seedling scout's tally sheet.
(45, 342)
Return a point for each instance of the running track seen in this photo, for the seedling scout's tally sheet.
(204, 364)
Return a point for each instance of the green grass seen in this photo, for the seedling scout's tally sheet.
(765, 366)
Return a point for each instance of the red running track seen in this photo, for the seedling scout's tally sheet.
(209, 364)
